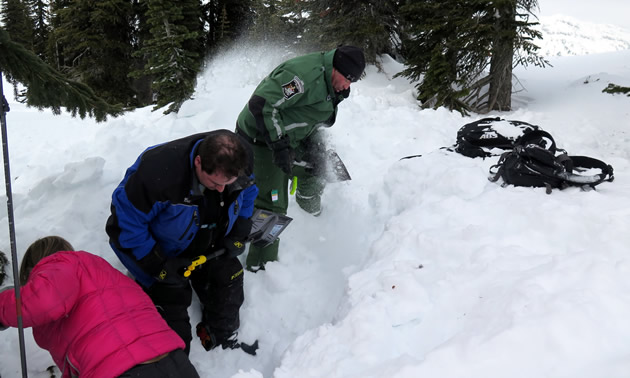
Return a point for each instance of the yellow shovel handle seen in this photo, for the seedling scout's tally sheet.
(195, 263)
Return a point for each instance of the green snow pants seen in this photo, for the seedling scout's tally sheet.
(273, 195)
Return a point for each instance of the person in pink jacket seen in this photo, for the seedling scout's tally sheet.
(94, 320)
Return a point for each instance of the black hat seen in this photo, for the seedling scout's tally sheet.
(350, 62)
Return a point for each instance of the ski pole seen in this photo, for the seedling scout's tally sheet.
(4, 108)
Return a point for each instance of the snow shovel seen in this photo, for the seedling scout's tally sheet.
(338, 168)
(335, 171)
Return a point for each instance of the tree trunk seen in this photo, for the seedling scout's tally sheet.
(500, 91)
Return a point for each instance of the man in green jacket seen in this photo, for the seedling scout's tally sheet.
(281, 121)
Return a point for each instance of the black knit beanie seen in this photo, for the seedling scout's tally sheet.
(350, 62)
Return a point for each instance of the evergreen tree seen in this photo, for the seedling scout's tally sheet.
(17, 23)
(54, 52)
(443, 51)
(499, 94)
(276, 21)
(96, 41)
(452, 44)
(371, 25)
(141, 83)
(223, 25)
(614, 89)
(41, 18)
(512, 46)
(71, 25)
(48, 88)
(225, 21)
(173, 69)
(193, 22)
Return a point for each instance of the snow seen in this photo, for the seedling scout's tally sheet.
(564, 35)
(611, 12)
(416, 268)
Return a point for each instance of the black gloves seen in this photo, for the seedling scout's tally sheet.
(233, 247)
(336, 100)
(234, 243)
(284, 159)
(283, 155)
(172, 272)
(165, 270)
(211, 339)
(3, 327)
(241, 229)
(315, 157)
(152, 263)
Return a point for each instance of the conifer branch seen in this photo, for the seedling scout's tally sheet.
(47, 87)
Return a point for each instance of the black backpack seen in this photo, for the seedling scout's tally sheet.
(536, 166)
(477, 139)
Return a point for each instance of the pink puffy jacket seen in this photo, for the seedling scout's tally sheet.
(94, 320)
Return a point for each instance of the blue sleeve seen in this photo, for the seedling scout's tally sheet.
(130, 229)
(249, 195)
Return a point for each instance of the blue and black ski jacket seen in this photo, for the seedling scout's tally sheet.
(159, 203)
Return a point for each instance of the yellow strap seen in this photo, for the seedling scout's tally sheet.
(293, 185)
(195, 263)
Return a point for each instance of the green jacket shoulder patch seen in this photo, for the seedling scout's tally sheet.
(292, 88)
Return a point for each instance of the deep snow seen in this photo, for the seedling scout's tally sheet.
(416, 268)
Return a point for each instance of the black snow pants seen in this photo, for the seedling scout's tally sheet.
(218, 284)
(175, 365)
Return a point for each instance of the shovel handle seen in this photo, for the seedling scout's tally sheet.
(293, 185)
(200, 260)
(195, 263)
